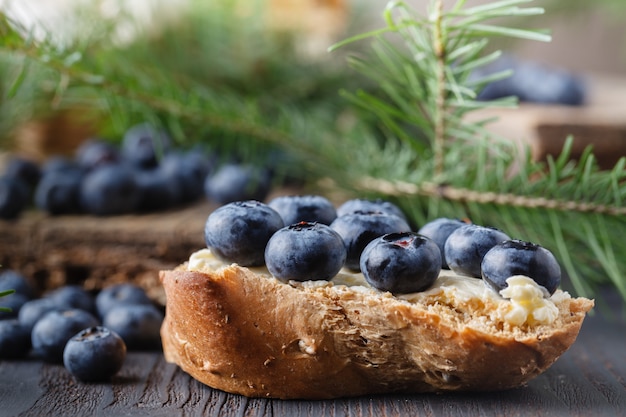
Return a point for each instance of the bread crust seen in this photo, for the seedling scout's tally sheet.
(248, 334)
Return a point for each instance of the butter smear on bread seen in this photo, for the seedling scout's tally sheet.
(523, 302)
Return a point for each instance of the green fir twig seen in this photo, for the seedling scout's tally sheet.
(573, 208)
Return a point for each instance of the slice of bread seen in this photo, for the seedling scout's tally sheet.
(240, 330)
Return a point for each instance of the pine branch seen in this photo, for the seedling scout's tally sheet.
(573, 208)
(441, 104)
(448, 44)
(124, 91)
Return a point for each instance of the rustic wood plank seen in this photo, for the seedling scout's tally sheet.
(98, 251)
(19, 386)
(589, 379)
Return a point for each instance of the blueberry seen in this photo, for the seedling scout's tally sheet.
(95, 153)
(534, 83)
(401, 262)
(33, 310)
(23, 169)
(14, 197)
(14, 340)
(144, 144)
(360, 228)
(12, 303)
(466, 246)
(496, 89)
(237, 182)
(58, 192)
(59, 164)
(139, 325)
(541, 84)
(304, 208)
(73, 296)
(305, 251)
(109, 190)
(188, 170)
(94, 354)
(238, 232)
(157, 191)
(438, 230)
(364, 205)
(517, 257)
(54, 329)
(13, 280)
(120, 294)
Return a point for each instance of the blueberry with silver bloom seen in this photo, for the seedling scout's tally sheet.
(53, 330)
(188, 172)
(95, 153)
(109, 190)
(144, 144)
(74, 296)
(401, 262)
(58, 192)
(466, 246)
(360, 228)
(138, 325)
(94, 354)
(120, 294)
(305, 251)
(517, 257)
(33, 310)
(157, 191)
(237, 182)
(58, 164)
(304, 208)
(238, 232)
(360, 204)
(14, 339)
(14, 197)
(23, 169)
(11, 279)
(439, 230)
(11, 305)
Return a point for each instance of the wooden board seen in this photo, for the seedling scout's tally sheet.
(98, 251)
(588, 380)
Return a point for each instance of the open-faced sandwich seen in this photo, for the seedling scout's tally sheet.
(363, 305)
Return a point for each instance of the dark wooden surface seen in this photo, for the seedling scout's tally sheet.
(588, 380)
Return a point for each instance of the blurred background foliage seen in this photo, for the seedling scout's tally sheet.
(270, 52)
(244, 54)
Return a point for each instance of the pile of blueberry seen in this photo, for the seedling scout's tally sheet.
(89, 334)
(304, 238)
(145, 173)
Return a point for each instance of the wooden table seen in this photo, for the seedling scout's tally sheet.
(588, 380)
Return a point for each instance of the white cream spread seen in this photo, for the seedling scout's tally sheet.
(529, 302)
(523, 301)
